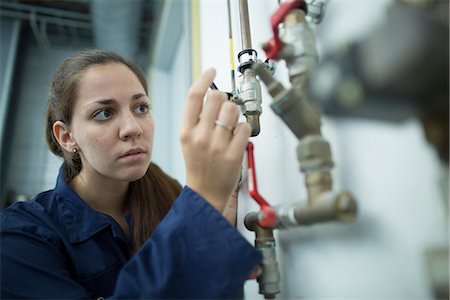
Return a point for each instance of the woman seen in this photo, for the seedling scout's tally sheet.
(115, 225)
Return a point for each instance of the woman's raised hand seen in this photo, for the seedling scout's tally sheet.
(213, 146)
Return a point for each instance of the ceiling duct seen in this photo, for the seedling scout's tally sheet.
(117, 25)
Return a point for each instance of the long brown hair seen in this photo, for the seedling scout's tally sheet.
(149, 198)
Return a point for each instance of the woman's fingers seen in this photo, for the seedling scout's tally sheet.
(225, 124)
(194, 101)
(212, 149)
(240, 139)
(213, 104)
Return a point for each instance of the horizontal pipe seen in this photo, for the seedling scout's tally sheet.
(330, 206)
(51, 20)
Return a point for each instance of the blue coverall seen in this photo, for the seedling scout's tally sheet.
(56, 246)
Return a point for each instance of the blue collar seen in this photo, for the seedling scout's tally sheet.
(81, 221)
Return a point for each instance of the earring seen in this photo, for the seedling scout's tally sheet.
(74, 150)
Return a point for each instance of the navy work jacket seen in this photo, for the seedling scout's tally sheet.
(56, 246)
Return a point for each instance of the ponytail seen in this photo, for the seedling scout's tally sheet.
(149, 200)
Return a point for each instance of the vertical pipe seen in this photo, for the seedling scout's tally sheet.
(230, 40)
(245, 25)
(269, 278)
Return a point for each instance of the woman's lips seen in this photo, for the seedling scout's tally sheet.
(134, 154)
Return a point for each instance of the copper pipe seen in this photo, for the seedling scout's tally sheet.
(245, 25)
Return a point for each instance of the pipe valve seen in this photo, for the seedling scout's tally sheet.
(274, 46)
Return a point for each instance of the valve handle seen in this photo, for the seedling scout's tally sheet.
(274, 46)
(266, 217)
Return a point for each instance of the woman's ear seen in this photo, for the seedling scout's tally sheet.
(64, 136)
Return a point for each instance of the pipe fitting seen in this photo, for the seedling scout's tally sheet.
(317, 183)
(329, 206)
(253, 119)
(250, 94)
(314, 154)
(300, 51)
(269, 278)
(296, 112)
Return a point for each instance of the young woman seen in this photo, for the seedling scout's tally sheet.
(116, 225)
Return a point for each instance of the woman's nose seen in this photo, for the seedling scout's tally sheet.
(129, 127)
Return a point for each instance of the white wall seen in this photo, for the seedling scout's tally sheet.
(390, 168)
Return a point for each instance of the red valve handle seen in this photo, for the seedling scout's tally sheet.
(267, 217)
(274, 46)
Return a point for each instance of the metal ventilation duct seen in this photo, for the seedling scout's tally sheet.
(117, 25)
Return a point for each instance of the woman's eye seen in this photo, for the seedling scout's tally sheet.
(102, 115)
(142, 108)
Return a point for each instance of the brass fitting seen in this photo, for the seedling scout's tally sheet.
(314, 154)
(250, 93)
(317, 183)
(329, 206)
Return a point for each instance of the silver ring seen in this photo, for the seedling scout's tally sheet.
(223, 125)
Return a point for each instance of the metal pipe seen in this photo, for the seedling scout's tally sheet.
(297, 113)
(269, 278)
(250, 88)
(329, 206)
(245, 25)
(230, 40)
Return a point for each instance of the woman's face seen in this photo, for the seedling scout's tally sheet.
(112, 123)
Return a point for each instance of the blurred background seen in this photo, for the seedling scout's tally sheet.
(390, 150)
